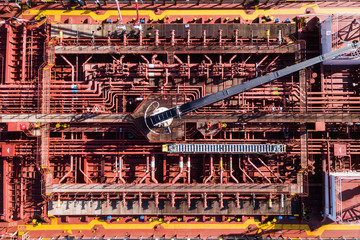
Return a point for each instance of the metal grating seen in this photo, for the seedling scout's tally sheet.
(225, 148)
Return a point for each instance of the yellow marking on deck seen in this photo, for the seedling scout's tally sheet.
(178, 226)
(190, 12)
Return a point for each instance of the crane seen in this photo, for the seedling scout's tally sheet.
(159, 117)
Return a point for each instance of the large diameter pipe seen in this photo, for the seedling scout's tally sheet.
(153, 169)
(71, 169)
(257, 169)
(23, 72)
(188, 169)
(232, 170)
(268, 168)
(245, 174)
(72, 68)
(85, 175)
(181, 171)
(121, 164)
(147, 170)
(221, 169)
(211, 169)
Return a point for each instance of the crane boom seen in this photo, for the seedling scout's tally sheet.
(178, 111)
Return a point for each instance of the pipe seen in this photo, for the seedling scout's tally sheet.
(207, 57)
(109, 38)
(118, 170)
(83, 171)
(270, 202)
(153, 169)
(31, 54)
(172, 199)
(232, 58)
(251, 37)
(268, 168)
(221, 200)
(262, 60)
(107, 200)
(181, 166)
(172, 37)
(211, 169)
(205, 201)
(121, 164)
(221, 169)
(188, 37)
(58, 201)
(124, 199)
(72, 68)
(189, 200)
(259, 170)
(71, 169)
(220, 38)
(188, 169)
(267, 34)
(280, 38)
(140, 38)
(328, 173)
(8, 54)
(166, 80)
(137, 12)
(271, 63)
(87, 60)
(237, 196)
(232, 170)
(119, 12)
(140, 200)
(156, 200)
(156, 32)
(121, 58)
(124, 38)
(236, 35)
(76, 163)
(204, 37)
(243, 171)
(153, 58)
(2, 68)
(178, 59)
(21, 210)
(147, 170)
(145, 59)
(24, 54)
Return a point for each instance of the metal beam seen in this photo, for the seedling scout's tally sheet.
(162, 49)
(178, 111)
(176, 188)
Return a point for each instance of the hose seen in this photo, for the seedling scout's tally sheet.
(118, 8)
(137, 12)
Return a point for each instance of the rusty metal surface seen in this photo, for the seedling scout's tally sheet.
(75, 145)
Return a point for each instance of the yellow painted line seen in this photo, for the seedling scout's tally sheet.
(305, 227)
(190, 12)
(241, 226)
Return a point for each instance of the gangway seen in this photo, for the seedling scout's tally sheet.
(158, 118)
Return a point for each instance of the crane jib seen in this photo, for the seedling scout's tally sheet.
(218, 96)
